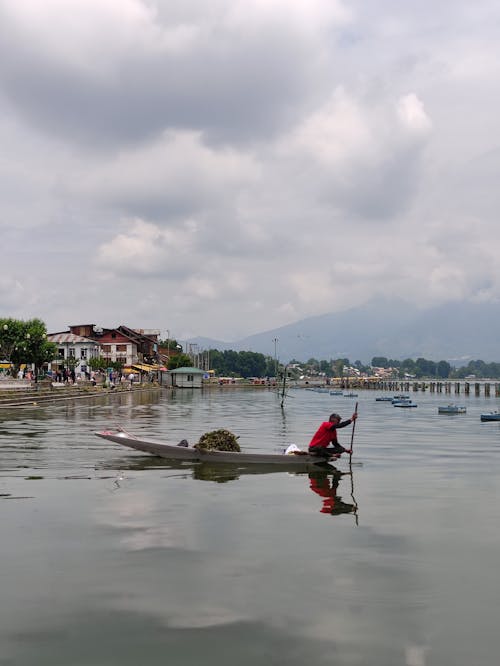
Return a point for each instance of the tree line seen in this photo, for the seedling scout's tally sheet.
(422, 367)
(254, 364)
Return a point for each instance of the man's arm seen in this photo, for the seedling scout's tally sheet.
(342, 424)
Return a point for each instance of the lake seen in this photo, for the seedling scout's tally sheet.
(111, 557)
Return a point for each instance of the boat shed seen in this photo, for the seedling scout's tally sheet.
(185, 377)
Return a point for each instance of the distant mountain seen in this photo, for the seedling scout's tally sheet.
(456, 332)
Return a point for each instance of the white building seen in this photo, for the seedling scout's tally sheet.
(72, 346)
(184, 377)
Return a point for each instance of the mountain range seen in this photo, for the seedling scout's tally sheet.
(456, 332)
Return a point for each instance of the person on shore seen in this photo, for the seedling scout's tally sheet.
(326, 434)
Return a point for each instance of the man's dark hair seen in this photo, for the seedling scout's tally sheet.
(334, 416)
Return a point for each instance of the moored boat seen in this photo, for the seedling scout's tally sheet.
(399, 398)
(297, 458)
(490, 416)
(452, 409)
(403, 403)
(384, 399)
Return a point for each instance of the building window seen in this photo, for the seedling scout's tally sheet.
(72, 352)
(121, 348)
(190, 378)
(106, 349)
(83, 353)
(60, 352)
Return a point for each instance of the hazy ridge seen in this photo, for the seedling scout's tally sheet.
(456, 332)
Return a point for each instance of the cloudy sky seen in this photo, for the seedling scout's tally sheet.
(226, 167)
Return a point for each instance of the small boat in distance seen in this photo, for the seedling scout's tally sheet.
(452, 409)
(350, 395)
(490, 416)
(399, 398)
(386, 398)
(336, 392)
(403, 403)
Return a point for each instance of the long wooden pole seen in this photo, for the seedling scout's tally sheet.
(352, 434)
(356, 518)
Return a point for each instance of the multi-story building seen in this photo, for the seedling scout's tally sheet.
(128, 346)
(78, 348)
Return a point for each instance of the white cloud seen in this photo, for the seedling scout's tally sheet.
(412, 114)
(146, 249)
(259, 161)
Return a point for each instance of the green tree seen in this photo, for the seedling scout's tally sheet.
(443, 369)
(25, 342)
(338, 367)
(179, 361)
(11, 337)
(380, 362)
(171, 343)
(97, 363)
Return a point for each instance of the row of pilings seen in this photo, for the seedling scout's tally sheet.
(467, 388)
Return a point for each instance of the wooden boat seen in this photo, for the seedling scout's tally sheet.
(452, 409)
(490, 416)
(189, 453)
(384, 399)
(350, 395)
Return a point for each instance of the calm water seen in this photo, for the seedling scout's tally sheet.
(108, 558)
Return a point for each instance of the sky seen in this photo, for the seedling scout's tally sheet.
(224, 168)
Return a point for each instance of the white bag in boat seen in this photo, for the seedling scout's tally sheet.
(290, 450)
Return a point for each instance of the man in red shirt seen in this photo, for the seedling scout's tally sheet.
(327, 434)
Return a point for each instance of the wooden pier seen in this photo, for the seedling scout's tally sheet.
(485, 388)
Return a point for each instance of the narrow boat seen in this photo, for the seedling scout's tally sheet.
(490, 416)
(188, 453)
(452, 409)
(350, 395)
(384, 399)
(335, 392)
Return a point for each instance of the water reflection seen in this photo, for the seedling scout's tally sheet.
(325, 484)
(322, 480)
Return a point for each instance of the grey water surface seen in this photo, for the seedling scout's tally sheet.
(111, 557)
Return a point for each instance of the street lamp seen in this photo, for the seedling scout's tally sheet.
(275, 358)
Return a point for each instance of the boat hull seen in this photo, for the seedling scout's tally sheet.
(490, 417)
(451, 409)
(189, 453)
